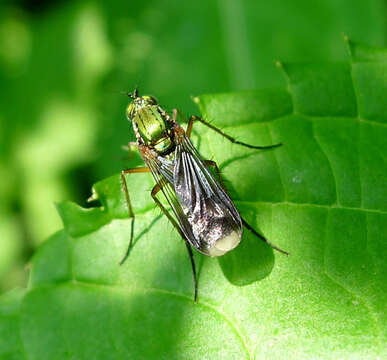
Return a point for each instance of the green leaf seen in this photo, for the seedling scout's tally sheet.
(11, 346)
(321, 196)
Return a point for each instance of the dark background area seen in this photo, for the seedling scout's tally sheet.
(63, 65)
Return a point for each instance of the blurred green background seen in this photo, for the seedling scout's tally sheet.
(63, 65)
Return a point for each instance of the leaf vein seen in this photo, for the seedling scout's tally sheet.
(328, 160)
(274, 203)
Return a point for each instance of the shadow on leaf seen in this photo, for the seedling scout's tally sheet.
(251, 261)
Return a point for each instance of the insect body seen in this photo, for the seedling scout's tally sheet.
(204, 214)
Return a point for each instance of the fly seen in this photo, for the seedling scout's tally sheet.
(204, 214)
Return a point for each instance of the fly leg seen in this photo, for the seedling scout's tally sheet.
(130, 210)
(212, 163)
(155, 190)
(194, 118)
(244, 222)
(247, 226)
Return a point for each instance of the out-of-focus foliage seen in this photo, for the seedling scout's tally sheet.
(63, 65)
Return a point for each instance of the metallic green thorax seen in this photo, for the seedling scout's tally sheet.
(150, 124)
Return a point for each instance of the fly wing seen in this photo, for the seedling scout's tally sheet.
(162, 172)
(215, 223)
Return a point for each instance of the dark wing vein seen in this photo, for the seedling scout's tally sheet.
(170, 194)
(209, 210)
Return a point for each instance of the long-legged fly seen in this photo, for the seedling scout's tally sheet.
(203, 213)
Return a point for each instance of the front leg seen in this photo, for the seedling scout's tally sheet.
(129, 204)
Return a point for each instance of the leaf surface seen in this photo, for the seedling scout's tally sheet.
(321, 196)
